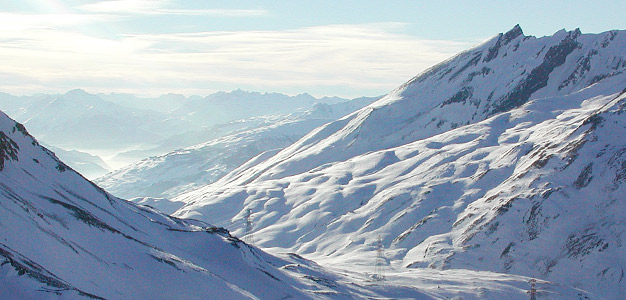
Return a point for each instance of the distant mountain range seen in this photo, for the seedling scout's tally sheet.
(122, 128)
(78, 120)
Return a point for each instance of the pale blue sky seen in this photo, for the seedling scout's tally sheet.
(344, 48)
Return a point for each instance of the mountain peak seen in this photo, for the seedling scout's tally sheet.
(513, 33)
(77, 92)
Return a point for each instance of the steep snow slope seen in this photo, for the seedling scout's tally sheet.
(186, 169)
(532, 185)
(537, 191)
(62, 237)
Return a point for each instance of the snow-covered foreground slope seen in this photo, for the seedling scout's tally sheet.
(529, 180)
(186, 169)
(60, 234)
(62, 237)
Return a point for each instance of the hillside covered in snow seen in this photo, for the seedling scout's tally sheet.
(507, 158)
(62, 237)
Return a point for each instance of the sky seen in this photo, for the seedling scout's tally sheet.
(198, 47)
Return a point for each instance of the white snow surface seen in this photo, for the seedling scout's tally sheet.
(507, 158)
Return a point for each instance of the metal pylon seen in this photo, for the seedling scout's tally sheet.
(380, 260)
(248, 237)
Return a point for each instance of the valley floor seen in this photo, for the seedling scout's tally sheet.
(334, 279)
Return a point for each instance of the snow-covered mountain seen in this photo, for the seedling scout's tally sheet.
(62, 237)
(508, 157)
(164, 103)
(223, 107)
(186, 169)
(500, 74)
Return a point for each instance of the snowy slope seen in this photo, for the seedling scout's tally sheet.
(185, 169)
(61, 237)
(528, 180)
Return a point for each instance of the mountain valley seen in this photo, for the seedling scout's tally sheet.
(499, 173)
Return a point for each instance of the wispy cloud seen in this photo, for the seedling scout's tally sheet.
(161, 7)
(16, 22)
(124, 6)
(216, 12)
(346, 60)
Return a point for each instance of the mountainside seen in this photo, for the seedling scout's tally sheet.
(61, 237)
(502, 73)
(507, 158)
(186, 169)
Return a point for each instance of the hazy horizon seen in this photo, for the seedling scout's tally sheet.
(325, 48)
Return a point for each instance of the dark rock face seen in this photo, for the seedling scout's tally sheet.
(538, 77)
(583, 243)
(8, 149)
(461, 96)
(503, 40)
(512, 34)
(584, 65)
(585, 177)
